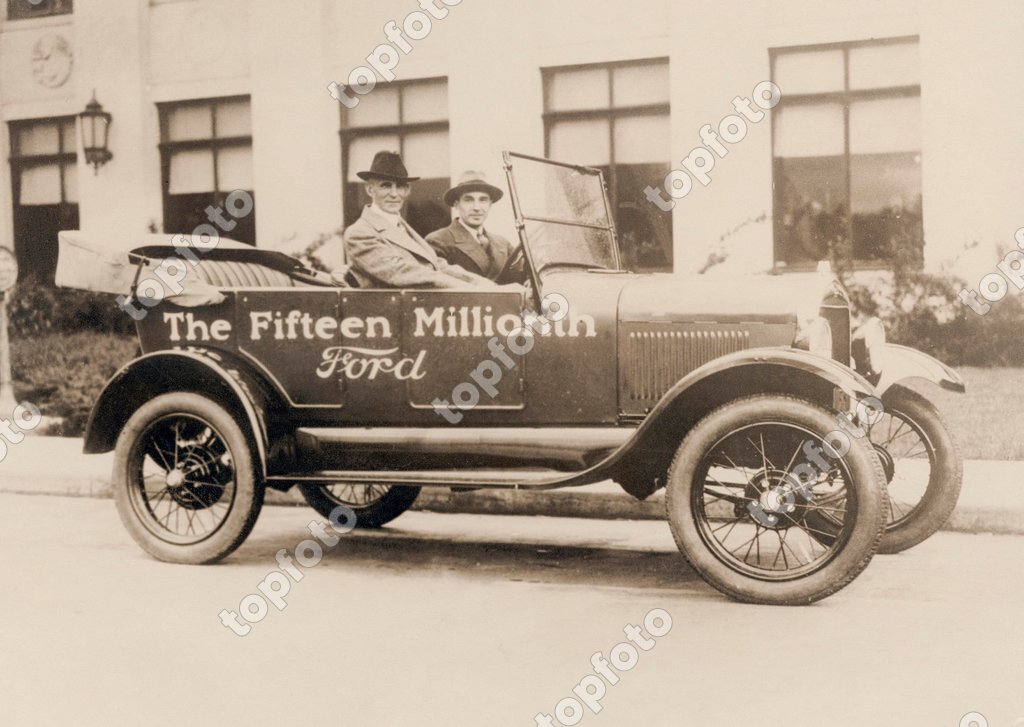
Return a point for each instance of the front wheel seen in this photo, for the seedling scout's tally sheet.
(374, 505)
(742, 493)
(186, 483)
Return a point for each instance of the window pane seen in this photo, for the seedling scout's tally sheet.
(377, 108)
(811, 210)
(234, 168)
(885, 194)
(642, 139)
(574, 90)
(645, 232)
(880, 66)
(233, 119)
(426, 155)
(638, 85)
(581, 142)
(425, 210)
(808, 130)
(38, 138)
(885, 125)
(40, 184)
(809, 72)
(424, 102)
(189, 122)
(361, 150)
(191, 171)
(71, 183)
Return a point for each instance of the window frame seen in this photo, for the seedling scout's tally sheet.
(24, 10)
(348, 133)
(611, 113)
(212, 144)
(845, 98)
(63, 158)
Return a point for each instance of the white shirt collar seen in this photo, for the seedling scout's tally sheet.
(395, 220)
(475, 233)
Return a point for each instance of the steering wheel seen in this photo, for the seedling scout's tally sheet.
(509, 273)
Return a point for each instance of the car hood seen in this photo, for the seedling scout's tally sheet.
(690, 298)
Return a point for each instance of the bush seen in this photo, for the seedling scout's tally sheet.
(63, 374)
(35, 309)
(922, 310)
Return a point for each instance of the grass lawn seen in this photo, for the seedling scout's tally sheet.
(987, 421)
(63, 373)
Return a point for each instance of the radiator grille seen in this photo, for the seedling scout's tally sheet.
(655, 360)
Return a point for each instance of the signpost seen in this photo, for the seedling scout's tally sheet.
(8, 277)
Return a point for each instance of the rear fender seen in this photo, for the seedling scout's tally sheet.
(214, 375)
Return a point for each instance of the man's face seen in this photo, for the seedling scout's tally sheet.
(387, 194)
(473, 208)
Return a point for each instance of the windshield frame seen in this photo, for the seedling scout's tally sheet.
(521, 219)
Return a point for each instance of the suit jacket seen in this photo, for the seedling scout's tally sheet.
(456, 245)
(382, 255)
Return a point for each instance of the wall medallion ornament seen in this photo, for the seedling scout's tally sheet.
(52, 59)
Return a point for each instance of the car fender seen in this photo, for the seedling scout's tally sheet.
(214, 374)
(898, 363)
(646, 456)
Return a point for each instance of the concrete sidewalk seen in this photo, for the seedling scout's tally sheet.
(992, 499)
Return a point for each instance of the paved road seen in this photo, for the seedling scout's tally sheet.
(487, 620)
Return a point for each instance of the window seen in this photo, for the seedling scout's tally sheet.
(44, 181)
(410, 117)
(206, 154)
(615, 117)
(847, 153)
(18, 9)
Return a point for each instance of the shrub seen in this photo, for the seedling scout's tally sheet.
(63, 374)
(35, 309)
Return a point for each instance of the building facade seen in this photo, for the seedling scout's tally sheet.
(897, 128)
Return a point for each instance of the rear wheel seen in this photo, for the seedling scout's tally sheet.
(374, 505)
(185, 481)
(742, 492)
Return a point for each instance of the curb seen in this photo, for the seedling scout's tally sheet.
(549, 503)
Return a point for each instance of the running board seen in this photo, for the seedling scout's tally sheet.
(498, 479)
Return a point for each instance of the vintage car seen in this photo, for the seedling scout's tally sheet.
(258, 372)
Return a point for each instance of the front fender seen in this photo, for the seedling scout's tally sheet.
(642, 461)
(897, 363)
(162, 372)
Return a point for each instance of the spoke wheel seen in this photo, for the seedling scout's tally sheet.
(185, 482)
(743, 498)
(924, 468)
(374, 505)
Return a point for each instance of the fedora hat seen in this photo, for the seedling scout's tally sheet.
(387, 165)
(472, 182)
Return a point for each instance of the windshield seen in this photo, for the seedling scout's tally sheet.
(564, 214)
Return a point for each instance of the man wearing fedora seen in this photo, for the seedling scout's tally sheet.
(383, 250)
(465, 242)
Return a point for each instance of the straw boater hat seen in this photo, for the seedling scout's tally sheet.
(387, 165)
(472, 182)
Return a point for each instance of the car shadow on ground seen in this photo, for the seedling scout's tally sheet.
(400, 551)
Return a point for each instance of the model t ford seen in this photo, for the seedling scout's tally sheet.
(775, 453)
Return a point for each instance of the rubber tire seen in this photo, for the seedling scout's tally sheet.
(249, 486)
(868, 479)
(944, 482)
(375, 515)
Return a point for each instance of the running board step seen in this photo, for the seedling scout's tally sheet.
(505, 479)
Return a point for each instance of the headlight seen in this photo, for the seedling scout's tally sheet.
(814, 335)
(868, 347)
